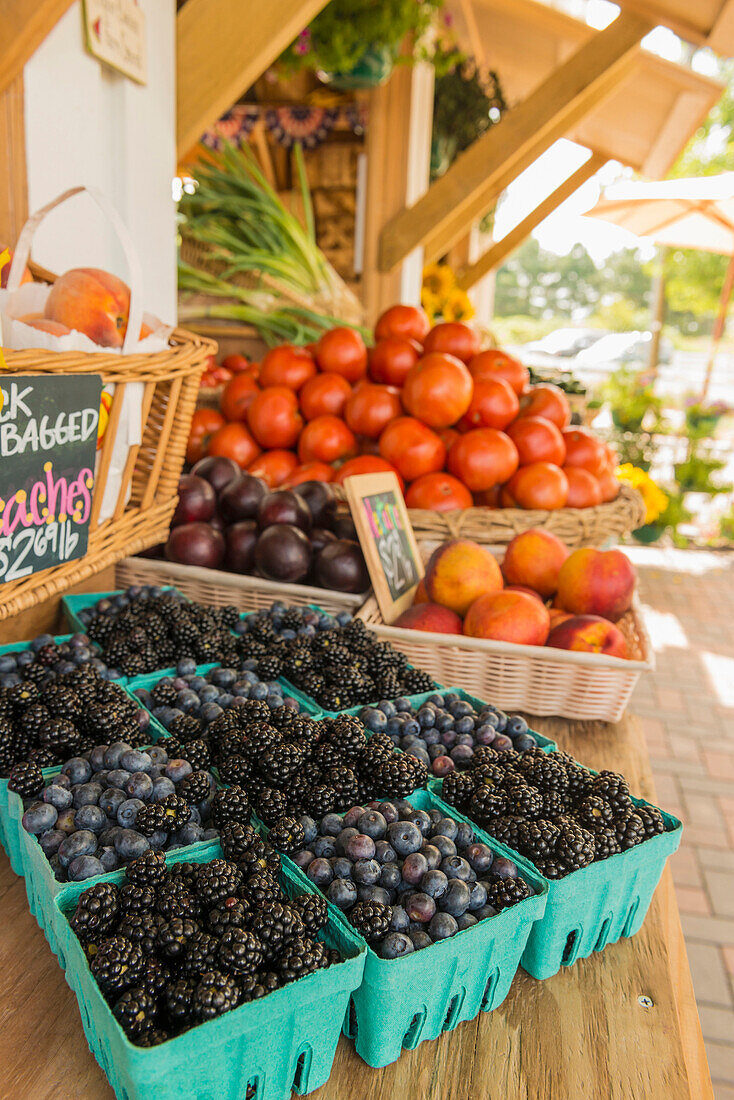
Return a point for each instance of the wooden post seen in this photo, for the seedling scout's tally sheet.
(657, 312)
(719, 326)
(467, 190)
(398, 151)
(23, 26)
(13, 179)
(500, 250)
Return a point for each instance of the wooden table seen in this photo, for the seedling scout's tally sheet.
(589, 1033)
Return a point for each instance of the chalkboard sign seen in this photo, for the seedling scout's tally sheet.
(48, 440)
(387, 540)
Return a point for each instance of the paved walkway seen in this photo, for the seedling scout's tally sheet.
(687, 711)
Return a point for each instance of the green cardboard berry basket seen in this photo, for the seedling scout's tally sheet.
(283, 1041)
(305, 705)
(595, 906)
(407, 1001)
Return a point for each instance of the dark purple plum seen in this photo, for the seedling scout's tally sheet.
(283, 553)
(340, 566)
(217, 470)
(241, 540)
(321, 501)
(196, 544)
(283, 507)
(241, 498)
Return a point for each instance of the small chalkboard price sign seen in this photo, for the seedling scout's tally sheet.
(387, 540)
(48, 441)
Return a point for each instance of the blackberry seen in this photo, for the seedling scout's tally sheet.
(320, 800)
(605, 842)
(177, 1002)
(274, 925)
(287, 836)
(231, 804)
(141, 929)
(135, 1011)
(236, 839)
(487, 802)
(60, 735)
(281, 762)
(371, 919)
(200, 955)
(540, 770)
(135, 899)
(197, 753)
(217, 881)
(554, 805)
(575, 848)
(348, 734)
(260, 858)
(148, 870)
(97, 911)
(313, 911)
(593, 813)
(164, 694)
(507, 759)
(34, 718)
(233, 913)
(613, 788)
(186, 728)
(327, 755)
(504, 892)
(272, 805)
(117, 965)
(536, 839)
(22, 695)
(260, 887)
(302, 956)
(62, 700)
(524, 800)
(240, 952)
(176, 809)
(416, 681)
(630, 829)
(215, 994)
(26, 779)
(186, 873)
(580, 780)
(153, 1037)
(174, 936)
(156, 977)
(152, 819)
(236, 770)
(174, 900)
(269, 667)
(507, 830)
(346, 784)
(195, 788)
(458, 788)
(399, 775)
(652, 820)
(259, 985)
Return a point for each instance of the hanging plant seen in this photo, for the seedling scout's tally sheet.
(355, 43)
(466, 103)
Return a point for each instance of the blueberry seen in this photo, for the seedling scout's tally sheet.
(461, 755)
(324, 847)
(432, 856)
(400, 921)
(405, 837)
(127, 813)
(464, 835)
(415, 866)
(176, 770)
(419, 939)
(135, 761)
(107, 836)
(78, 769)
(90, 817)
(320, 872)
(118, 777)
(442, 927)
(524, 742)
(448, 738)
(444, 722)
(456, 867)
(430, 738)
(421, 820)
(50, 842)
(186, 667)
(352, 816)
(158, 839)
(477, 895)
(259, 691)
(83, 867)
(96, 757)
(40, 641)
(466, 920)
(139, 785)
(402, 703)
(504, 868)
(130, 845)
(484, 912)
(395, 945)
(157, 754)
(480, 857)
(7, 662)
(341, 866)
(516, 725)
(388, 708)
(114, 753)
(368, 872)
(411, 727)
(81, 843)
(434, 883)
(390, 876)
(388, 811)
(65, 821)
(341, 841)
(39, 818)
(86, 794)
(342, 893)
(343, 618)
(434, 751)
(58, 797)
(373, 719)
(485, 734)
(189, 834)
(332, 825)
(384, 852)
(303, 858)
(420, 907)
(447, 827)
(501, 721)
(457, 897)
(374, 893)
(211, 711)
(310, 828)
(9, 679)
(187, 701)
(358, 846)
(426, 718)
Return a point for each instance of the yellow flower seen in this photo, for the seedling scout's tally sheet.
(457, 306)
(655, 499)
(429, 301)
(439, 279)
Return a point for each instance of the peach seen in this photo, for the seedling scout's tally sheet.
(460, 571)
(557, 616)
(37, 320)
(523, 588)
(431, 617)
(508, 617)
(533, 559)
(93, 302)
(596, 582)
(588, 634)
(421, 596)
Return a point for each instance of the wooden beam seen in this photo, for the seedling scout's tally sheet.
(496, 255)
(222, 48)
(467, 190)
(23, 26)
(13, 180)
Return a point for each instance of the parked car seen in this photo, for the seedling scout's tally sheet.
(562, 343)
(619, 349)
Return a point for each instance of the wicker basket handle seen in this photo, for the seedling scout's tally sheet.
(135, 271)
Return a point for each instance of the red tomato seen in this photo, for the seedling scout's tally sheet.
(234, 441)
(204, 423)
(438, 390)
(239, 393)
(498, 364)
(439, 493)
(448, 437)
(274, 418)
(367, 464)
(312, 471)
(287, 366)
(483, 458)
(537, 440)
(274, 467)
(342, 350)
(489, 499)
(412, 448)
(608, 484)
(540, 485)
(326, 439)
(583, 449)
(548, 402)
(324, 395)
(238, 364)
(410, 322)
(494, 404)
(584, 491)
(371, 408)
(453, 338)
(391, 359)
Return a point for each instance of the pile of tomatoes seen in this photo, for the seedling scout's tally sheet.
(458, 425)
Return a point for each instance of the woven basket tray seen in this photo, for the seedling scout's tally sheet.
(574, 526)
(537, 679)
(219, 589)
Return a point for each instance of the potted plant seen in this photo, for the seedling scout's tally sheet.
(353, 44)
(465, 104)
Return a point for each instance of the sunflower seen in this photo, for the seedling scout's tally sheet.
(439, 279)
(655, 499)
(430, 303)
(457, 306)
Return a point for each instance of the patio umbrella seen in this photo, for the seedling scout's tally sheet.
(695, 212)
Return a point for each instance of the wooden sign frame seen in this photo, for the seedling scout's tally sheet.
(387, 540)
(114, 33)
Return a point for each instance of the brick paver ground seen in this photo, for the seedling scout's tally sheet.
(687, 711)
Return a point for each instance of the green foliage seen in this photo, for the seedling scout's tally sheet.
(695, 474)
(632, 401)
(344, 30)
(465, 104)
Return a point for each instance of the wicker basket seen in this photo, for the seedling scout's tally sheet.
(171, 385)
(574, 526)
(537, 679)
(219, 589)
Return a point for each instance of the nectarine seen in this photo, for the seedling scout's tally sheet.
(588, 634)
(508, 617)
(533, 559)
(431, 617)
(93, 302)
(596, 582)
(458, 572)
